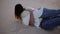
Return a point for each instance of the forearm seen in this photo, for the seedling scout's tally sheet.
(31, 22)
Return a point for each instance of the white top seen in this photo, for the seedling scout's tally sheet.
(37, 13)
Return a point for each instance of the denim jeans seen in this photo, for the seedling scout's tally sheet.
(50, 19)
(50, 13)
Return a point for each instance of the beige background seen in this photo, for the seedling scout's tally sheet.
(7, 10)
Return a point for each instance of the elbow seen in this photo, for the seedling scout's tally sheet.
(31, 23)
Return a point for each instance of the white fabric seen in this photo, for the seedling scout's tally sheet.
(25, 17)
(37, 13)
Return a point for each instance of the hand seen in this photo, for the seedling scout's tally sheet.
(31, 10)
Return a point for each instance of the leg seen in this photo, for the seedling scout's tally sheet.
(50, 13)
(50, 23)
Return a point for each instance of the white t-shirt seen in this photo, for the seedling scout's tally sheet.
(37, 13)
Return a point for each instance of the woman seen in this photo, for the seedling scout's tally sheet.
(44, 18)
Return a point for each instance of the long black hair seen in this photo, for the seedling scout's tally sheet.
(18, 10)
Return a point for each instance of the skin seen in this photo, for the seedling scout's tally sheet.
(17, 19)
(31, 21)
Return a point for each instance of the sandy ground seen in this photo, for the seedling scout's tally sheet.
(18, 28)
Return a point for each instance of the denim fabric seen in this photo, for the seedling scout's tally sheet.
(51, 23)
(50, 19)
(50, 13)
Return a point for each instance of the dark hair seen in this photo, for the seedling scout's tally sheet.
(18, 10)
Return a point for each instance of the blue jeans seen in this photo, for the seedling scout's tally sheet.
(50, 13)
(50, 19)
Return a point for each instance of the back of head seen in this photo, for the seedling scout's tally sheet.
(18, 10)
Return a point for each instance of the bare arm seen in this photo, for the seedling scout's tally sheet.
(31, 22)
